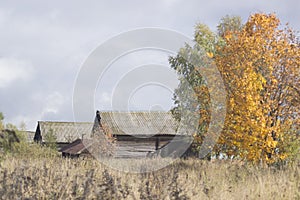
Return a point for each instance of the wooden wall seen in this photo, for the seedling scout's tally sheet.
(133, 147)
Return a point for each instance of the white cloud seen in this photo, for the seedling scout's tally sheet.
(53, 102)
(12, 70)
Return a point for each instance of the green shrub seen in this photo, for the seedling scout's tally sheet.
(50, 140)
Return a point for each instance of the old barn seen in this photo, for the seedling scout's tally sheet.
(135, 134)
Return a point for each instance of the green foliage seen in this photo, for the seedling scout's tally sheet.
(1, 116)
(11, 126)
(1, 119)
(228, 24)
(192, 95)
(5, 146)
(33, 150)
(23, 149)
(205, 37)
(291, 145)
(50, 140)
(21, 136)
(7, 139)
(9, 136)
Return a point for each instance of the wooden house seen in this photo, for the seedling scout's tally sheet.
(142, 134)
(135, 134)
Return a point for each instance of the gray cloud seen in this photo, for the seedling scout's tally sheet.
(43, 44)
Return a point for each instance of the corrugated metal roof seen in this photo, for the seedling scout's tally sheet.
(66, 131)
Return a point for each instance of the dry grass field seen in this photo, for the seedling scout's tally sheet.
(58, 178)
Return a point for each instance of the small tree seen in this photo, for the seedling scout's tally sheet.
(50, 139)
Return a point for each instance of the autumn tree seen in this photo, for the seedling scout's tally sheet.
(259, 64)
(260, 67)
(192, 95)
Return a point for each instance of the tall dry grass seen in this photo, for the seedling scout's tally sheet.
(57, 178)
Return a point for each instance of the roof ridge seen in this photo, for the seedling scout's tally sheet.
(140, 111)
(67, 122)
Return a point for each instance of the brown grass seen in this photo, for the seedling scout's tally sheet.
(58, 178)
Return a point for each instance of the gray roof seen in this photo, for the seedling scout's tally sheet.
(119, 123)
(77, 147)
(139, 123)
(66, 131)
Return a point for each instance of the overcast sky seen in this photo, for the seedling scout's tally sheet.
(44, 43)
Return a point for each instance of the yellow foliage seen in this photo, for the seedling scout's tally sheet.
(210, 54)
(256, 65)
